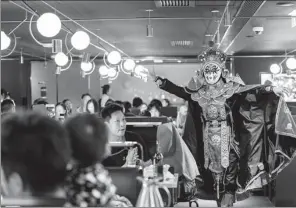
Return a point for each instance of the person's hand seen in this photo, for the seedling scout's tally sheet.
(115, 203)
(144, 164)
(132, 156)
(124, 200)
(151, 75)
(281, 91)
(120, 201)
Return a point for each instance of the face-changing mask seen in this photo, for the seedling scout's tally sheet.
(212, 73)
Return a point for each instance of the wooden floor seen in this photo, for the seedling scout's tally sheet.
(254, 201)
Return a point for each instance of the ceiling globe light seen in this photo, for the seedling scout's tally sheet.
(112, 73)
(86, 66)
(80, 40)
(5, 41)
(291, 63)
(103, 70)
(275, 68)
(114, 57)
(61, 59)
(49, 25)
(129, 64)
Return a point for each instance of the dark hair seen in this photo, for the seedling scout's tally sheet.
(118, 102)
(88, 136)
(106, 88)
(146, 113)
(127, 105)
(96, 105)
(37, 148)
(40, 101)
(155, 103)
(66, 100)
(167, 101)
(6, 105)
(109, 101)
(3, 92)
(109, 109)
(137, 102)
(84, 95)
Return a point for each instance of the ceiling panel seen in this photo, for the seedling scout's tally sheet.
(278, 34)
(123, 23)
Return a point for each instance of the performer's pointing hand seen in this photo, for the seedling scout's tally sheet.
(152, 74)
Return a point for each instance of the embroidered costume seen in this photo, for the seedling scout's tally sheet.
(231, 129)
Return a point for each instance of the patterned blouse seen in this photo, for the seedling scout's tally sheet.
(89, 187)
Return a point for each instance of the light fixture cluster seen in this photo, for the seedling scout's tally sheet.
(276, 68)
(114, 63)
(49, 25)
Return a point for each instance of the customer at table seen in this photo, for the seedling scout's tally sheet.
(128, 107)
(84, 99)
(60, 112)
(115, 120)
(35, 151)
(92, 106)
(137, 102)
(88, 183)
(69, 106)
(153, 109)
(106, 91)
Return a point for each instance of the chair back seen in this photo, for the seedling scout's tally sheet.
(125, 180)
(146, 127)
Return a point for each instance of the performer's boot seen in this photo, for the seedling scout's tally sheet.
(227, 197)
(227, 200)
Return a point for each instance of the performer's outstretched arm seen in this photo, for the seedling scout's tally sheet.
(279, 91)
(170, 87)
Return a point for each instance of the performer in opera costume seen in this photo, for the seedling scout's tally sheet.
(241, 135)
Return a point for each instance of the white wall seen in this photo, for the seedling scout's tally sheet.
(125, 88)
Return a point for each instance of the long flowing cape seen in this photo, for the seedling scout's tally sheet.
(265, 132)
